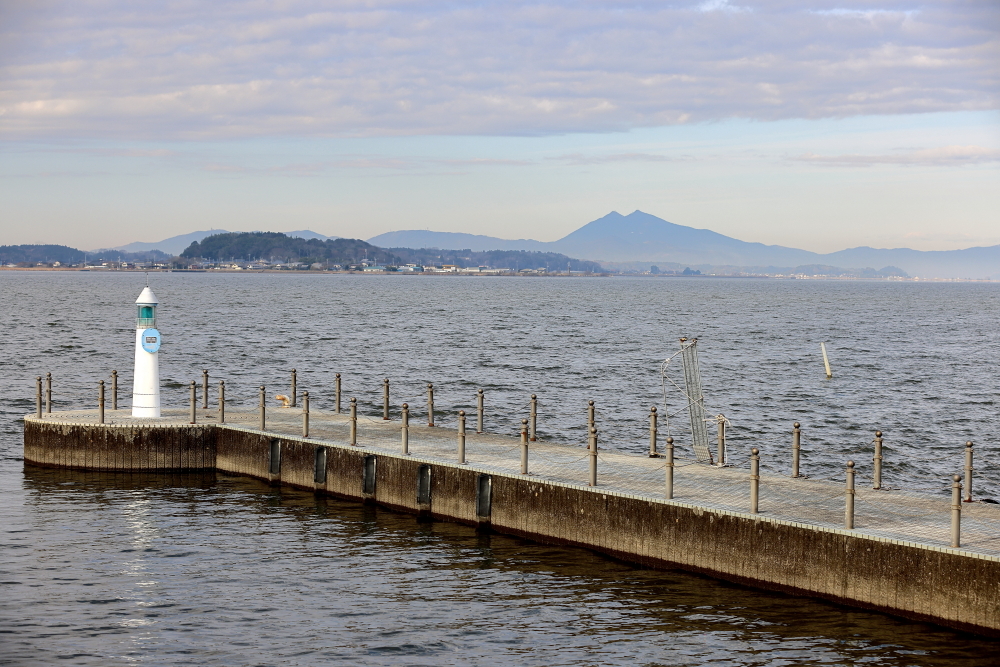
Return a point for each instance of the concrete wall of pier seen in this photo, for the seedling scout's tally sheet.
(940, 585)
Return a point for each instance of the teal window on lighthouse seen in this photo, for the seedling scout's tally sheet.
(146, 318)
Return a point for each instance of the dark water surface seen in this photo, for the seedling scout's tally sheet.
(101, 569)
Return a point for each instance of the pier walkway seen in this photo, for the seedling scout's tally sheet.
(917, 520)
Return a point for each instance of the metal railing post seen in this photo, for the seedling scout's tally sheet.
(968, 472)
(114, 390)
(294, 388)
(754, 480)
(263, 408)
(721, 421)
(670, 468)
(796, 444)
(956, 511)
(524, 446)
(480, 410)
(100, 401)
(849, 498)
(533, 426)
(652, 433)
(461, 436)
(336, 391)
(590, 414)
(877, 459)
(305, 414)
(38, 396)
(222, 401)
(405, 433)
(385, 399)
(48, 393)
(593, 456)
(430, 404)
(354, 422)
(204, 388)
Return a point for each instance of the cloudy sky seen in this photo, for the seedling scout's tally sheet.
(820, 125)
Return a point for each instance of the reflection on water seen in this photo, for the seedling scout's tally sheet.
(101, 569)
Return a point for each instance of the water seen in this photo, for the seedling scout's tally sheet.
(101, 569)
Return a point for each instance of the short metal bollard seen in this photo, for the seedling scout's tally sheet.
(263, 409)
(593, 456)
(796, 443)
(222, 401)
(754, 480)
(956, 511)
(652, 433)
(968, 472)
(670, 468)
(721, 422)
(405, 433)
(38, 396)
(849, 498)
(480, 410)
(194, 402)
(430, 404)
(100, 401)
(533, 426)
(114, 390)
(877, 460)
(336, 392)
(48, 393)
(385, 399)
(461, 436)
(204, 388)
(524, 446)
(305, 414)
(354, 422)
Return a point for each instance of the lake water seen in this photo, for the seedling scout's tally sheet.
(102, 569)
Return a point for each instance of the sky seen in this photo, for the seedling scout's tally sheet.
(818, 125)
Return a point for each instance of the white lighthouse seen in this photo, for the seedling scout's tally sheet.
(146, 382)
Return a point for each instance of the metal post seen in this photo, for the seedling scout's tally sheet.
(652, 433)
(524, 446)
(796, 445)
(533, 427)
(38, 396)
(721, 421)
(262, 409)
(480, 409)
(461, 436)
(430, 404)
(956, 511)
(194, 403)
(100, 400)
(337, 393)
(590, 414)
(204, 388)
(222, 401)
(405, 448)
(849, 505)
(385, 399)
(877, 475)
(354, 422)
(114, 390)
(670, 468)
(968, 472)
(48, 393)
(305, 414)
(754, 480)
(593, 456)
(294, 387)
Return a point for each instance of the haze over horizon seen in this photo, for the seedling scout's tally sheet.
(820, 125)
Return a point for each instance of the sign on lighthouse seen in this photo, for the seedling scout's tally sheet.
(146, 382)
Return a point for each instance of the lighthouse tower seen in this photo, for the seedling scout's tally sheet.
(146, 381)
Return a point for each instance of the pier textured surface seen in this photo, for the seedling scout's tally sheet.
(898, 554)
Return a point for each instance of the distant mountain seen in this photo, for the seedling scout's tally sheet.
(308, 234)
(173, 246)
(641, 237)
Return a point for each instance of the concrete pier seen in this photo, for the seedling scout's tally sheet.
(896, 559)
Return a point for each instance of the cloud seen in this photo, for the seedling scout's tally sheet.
(227, 69)
(944, 156)
(580, 159)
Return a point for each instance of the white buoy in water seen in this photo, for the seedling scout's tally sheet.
(826, 361)
(146, 380)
